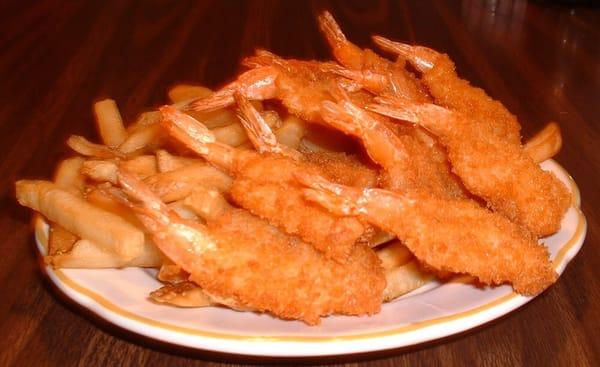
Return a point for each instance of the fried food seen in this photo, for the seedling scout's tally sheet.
(448, 235)
(372, 71)
(240, 257)
(81, 218)
(545, 144)
(491, 167)
(406, 163)
(110, 123)
(325, 176)
(265, 185)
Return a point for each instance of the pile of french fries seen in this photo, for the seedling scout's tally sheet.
(91, 228)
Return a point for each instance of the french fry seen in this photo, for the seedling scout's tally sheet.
(291, 132)
(545, 144)
(183, 294)
(107, 170)
(110, 123)
(68, 175)
(143, 120)
(86, 148)
(177, 184)
(105, 201)
(87, 254)
(142, 139)
(404, 279)
(166, 162)
(215, 119)
(60, 240)
(187, 92)
(81, 218)
(142, 166)
(393, 255)
(207, 203)
(235, 134)
(100, 170)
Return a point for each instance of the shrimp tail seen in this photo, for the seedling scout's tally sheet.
(330, 29)
(338, 199)
(259, 132)
(422, 58)
(338, 117)
(395, 107)
(187, 129)
(152, 211)
(257, 83)
(213, 102)
(198, 138)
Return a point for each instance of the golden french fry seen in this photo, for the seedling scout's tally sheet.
(105, 201)
(101, 171)
(142, 139)
(403, 279)
(177, 184)
(166, 162)
(393, 255)
(187, 92)
(235, 134)
(86, 148)
(81, 218)
(60, 240)
(183, 294)
(143, 120)
(68, 175)
(215, 119)
(142, 166)
(291, 132)
(87, 254)
(545, 144)
(207, 203)
(110, 124)
(106, 170)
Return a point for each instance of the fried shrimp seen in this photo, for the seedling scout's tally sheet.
(374, 72)
(450, 91)
(494, 168)
(447, 235)
(301, 86)
(265, 185)
(336, 166)
(407, 164)
(242, 261)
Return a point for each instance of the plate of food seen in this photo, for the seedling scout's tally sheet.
(310, 208)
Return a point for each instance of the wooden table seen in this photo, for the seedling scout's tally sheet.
(542, 62)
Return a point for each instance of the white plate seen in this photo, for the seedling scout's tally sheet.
(434, 311)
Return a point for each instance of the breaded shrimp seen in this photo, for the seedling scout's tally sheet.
(494, 168)
(374, 72)
(450, 91)
(447, 235)
(301, 86)
(336, 166)
(407, 164)
(264, 184)
(242, 261)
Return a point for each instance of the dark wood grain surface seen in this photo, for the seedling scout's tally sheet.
(57, 57)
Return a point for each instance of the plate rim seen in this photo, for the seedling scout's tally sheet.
(302, 346)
